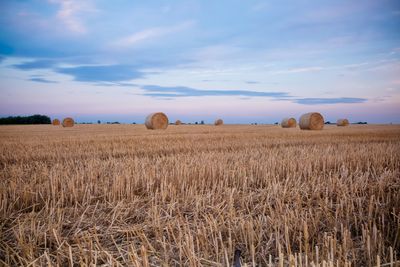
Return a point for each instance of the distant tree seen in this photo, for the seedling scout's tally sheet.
(133, 122)
(98, 122)
(34, 119)
(327, 122)
(196, 123)
(202, 122)
(276, 123)
(115, 122)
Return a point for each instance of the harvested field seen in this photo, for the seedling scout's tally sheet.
(191, 195)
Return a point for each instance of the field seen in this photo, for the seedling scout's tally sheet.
(121, 195)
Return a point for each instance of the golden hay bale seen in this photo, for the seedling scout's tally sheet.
(289, 123)
(56, 122)
(68, 122)
(157, 121)
(218, 122)
(178, 122)
(342, 122)
(311, 121)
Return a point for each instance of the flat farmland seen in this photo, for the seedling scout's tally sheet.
(192, 195)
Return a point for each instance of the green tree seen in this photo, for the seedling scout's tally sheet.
(34, 119)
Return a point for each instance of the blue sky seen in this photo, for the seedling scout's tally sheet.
(243, 61)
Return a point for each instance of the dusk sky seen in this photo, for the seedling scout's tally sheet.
(242, 61)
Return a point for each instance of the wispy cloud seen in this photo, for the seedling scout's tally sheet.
(150, 33)
(105, 73)
(396, 12)
(41, 80)
(162, 92)
(395, 82)
(182, 91)
(260, 6)
(394, 51)
(70, 11)
(350, 67)
(338, 100)
(121, 84)
(298, 70)
(36, 64)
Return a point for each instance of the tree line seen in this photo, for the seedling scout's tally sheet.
(34, 119)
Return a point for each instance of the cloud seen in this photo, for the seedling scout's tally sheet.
(36, 64)
(394, 51)
(215, 80)
(69, 13)
(105, 73)
(298, 70)
(396, 12)
(182, 91)
(261, 6)
(252, 82)
(350, 67)
(395, 82)
(163, 92)
(41, 80)
(122, 84)
(321, 101)
(150, 33)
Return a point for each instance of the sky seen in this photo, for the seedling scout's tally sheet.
(242, 61)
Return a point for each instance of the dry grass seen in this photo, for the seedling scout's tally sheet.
(121, 195)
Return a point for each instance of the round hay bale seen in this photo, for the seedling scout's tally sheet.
(218, 122)
(157, 121)
(289, 123)
(342, 122)
(178, 122)
(56, 122)
(68, 122)
(311, 121)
